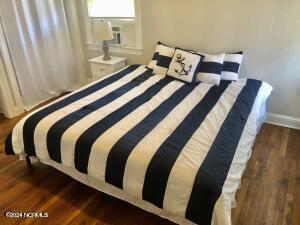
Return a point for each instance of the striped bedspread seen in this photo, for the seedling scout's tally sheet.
(181, 147)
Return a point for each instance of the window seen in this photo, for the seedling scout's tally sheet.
(111, 8)
(124, 16)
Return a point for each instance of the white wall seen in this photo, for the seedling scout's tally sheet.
(268, 31)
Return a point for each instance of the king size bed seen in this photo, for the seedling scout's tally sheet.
(172, 148)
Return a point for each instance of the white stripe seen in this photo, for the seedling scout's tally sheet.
(166, 51)
(141, 155)
(17, 134)
(209, 78)
(183, 173)
(152, 64)
(105, 142)
(213, 58)
(160, 70)
(157, 48)
(41, 130)
(229, 76)
(237, 58)
(71, 135)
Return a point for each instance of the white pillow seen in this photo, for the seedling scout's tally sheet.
(231, 66)
(184, 65)
(211, 69)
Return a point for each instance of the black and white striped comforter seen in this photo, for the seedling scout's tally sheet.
(182, 147)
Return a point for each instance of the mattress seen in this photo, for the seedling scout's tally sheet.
(175, 149)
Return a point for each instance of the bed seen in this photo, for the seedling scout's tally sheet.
(174, 149)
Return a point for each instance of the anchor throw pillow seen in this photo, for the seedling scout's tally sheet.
(185, 65)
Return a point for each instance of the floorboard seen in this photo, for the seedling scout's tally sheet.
(269, 194)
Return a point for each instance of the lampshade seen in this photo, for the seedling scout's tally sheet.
(102, 31)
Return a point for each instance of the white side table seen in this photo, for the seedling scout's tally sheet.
(102, 68)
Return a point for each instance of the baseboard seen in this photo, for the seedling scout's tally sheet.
(282, 120)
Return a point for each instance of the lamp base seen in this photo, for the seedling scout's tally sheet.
(105, 48)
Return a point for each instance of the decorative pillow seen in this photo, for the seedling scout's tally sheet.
(231, 66)
(185, 65)
(164, 59)
(153, 62)
(211, 69)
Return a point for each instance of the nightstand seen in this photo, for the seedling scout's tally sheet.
(102, 68)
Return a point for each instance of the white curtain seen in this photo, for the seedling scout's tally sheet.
(46, 53)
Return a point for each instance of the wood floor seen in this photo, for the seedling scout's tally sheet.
(270, 192)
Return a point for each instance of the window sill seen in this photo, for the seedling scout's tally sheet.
(116, 49)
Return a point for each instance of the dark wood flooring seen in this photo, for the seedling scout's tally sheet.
(270, 192)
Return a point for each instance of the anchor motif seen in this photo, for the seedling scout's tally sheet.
(183, 71)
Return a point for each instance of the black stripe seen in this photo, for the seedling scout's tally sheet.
(86, 140)
(211, 67)
(57, 130)
(213, 172)
(155, 56)
(120, 152)
(160, 166)
(231, 67)
(164, 61)
(31, 123)
(8, 145)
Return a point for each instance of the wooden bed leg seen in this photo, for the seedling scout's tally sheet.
(28, 162)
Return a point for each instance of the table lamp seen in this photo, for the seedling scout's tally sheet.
(103, 32)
